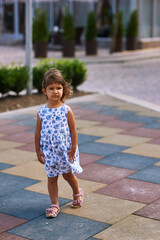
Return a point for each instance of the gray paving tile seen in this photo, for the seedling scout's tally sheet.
(129, 161)
(82, 138)
(64, 227)
(5, 166)
(101, 149)
(26, 204)
(11, 183)
(149, 174)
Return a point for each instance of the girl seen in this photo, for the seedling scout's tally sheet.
(56, 140)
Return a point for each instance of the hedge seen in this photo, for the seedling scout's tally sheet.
(16, 77)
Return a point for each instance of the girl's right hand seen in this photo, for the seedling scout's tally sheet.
(41, 157)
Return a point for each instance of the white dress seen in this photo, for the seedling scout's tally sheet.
(56, 141)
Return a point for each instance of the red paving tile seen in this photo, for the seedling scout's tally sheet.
(9, 129)
(150, 211)
(88, 158)
(27, 147)
(133, 190)
(23, 137)
(99, 117)
(8, 236)
(7, 222)
(155, 141)
(103, 173)
(5, 121)
(143, 132)
(121, 124)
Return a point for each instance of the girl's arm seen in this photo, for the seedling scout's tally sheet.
(37, 141)
(74, 136)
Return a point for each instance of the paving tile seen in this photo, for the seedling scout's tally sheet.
(15, 156)
(5, 122)
(2, 135)
(113, 211)
(25, 137)
(145, 149)
(27, 147)
(26, 204)
(138, 118)
(155, 141)
(33, 170)
(130, 107)
(29, 122)
(120, 124)
(143, 132)
(85, 123)
(101, 149)
(99, 131)
(88, 158)
(99, 117)
(154, 125)
(157, 164)
(10, 183)
(42, 229)
(132, 228)
(12, 129)
(149, 112)
(104, 174)
(8, 236)
(82, 113)
(123, 140)
(150, 211)
(4, 145)
(64, 190)
(115, 112)
(18, 116)
(132, 190)
(7, 222)
(5, 166)
(129, 161)
(149, 174)
(86, 138)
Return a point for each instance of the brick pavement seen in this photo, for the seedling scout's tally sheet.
(120, 156)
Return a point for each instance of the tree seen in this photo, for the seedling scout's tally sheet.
(113, 43)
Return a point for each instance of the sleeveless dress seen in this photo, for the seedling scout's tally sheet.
(55, 141)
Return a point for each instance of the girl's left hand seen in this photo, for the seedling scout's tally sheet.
(71, 154)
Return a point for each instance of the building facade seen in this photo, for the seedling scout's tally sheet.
(12, 17)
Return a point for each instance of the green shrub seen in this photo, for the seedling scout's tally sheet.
(68, 26)
(73, 71)
(18, 76)
(132, 25)
(120, 27)
(91, 29)
(40, 27)
(5, 85)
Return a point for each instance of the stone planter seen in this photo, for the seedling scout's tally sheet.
(131, 43)
(40, 49)
(91, 47)
(68, 48)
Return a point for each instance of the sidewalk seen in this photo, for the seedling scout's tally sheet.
(120, 155)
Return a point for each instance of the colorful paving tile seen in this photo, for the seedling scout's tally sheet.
(129, 161)
(8, 222)
(132, 190)
(120, 156)
(149, 174)
(26, 204)
(104, 174)
(150, 211)
(100, 149)
(40, 228)
(132, 228)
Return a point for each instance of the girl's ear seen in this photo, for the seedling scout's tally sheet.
(44, 91)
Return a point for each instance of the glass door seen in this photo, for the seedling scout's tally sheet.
(8, 18)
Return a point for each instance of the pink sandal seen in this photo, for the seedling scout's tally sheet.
(51, 213)
(78, 202)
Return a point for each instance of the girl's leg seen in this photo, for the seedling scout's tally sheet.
(73, 182)
(53, 190)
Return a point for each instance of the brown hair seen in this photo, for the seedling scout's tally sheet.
(54, 75)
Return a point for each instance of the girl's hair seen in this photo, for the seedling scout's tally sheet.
(54, 76)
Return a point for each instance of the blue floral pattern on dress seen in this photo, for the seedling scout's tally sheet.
(56, 141)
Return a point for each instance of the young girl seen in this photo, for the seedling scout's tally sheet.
(56, 140)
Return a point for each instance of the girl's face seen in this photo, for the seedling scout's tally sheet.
(54, 92)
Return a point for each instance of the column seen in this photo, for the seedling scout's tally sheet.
(16, 19)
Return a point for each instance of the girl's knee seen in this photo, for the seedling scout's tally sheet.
(68, 176)
(52, 180)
